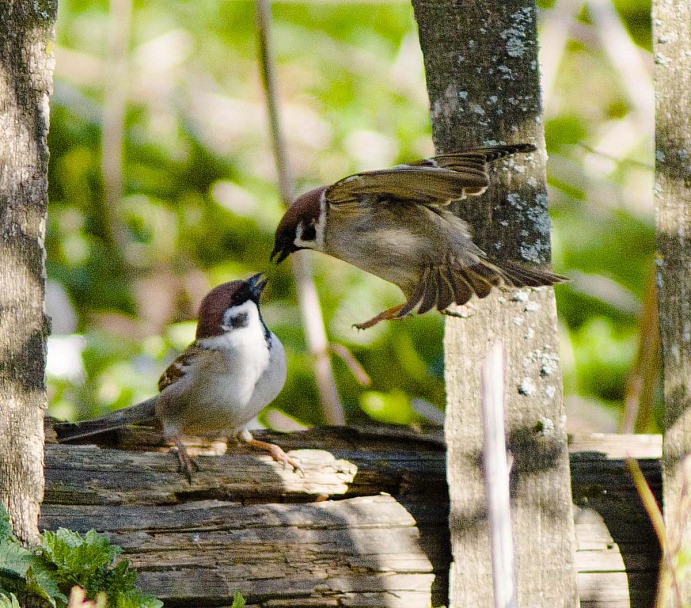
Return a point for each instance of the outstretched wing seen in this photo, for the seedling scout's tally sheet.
(433, 181)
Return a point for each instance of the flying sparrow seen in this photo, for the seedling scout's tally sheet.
(233, 369)
(396, 224)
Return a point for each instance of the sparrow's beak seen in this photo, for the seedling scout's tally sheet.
(281, 253)
(257, 284)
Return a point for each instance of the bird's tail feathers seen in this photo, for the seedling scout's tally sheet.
(441, 286)
(144, 412)
(517, 275)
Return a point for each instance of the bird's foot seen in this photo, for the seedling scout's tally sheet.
(187, 466)
(462, 311)
(280, 456)
(276, 452)
(390, 314)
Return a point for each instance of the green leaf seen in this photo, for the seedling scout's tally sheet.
(238, 600)
(87, 561)
(9, 601)
(79, 557)
(41, 581)
(65, 559)
(5, 525)
(133, 599)
(15, 560)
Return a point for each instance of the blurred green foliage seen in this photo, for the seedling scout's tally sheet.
(200, 202)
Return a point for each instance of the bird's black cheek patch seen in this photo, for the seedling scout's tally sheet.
(240, 320)
(309, 232)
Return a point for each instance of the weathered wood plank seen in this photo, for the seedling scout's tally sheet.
(613, 445)
(330, 538)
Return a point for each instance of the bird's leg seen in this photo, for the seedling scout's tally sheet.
(387, 315)
(187, 465)
(276, 452)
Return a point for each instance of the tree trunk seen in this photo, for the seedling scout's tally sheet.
(483, 82)
(26, 68)
(672, 48)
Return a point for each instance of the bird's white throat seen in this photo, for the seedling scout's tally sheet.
(253, 371)
(243, 330)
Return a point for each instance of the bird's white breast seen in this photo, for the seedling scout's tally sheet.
(242, 374)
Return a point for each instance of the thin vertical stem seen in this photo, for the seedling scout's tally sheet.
(310, 309)
(496, 477)
(641, 383)
(115, 92)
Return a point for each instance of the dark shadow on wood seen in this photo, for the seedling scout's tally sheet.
(604, 486)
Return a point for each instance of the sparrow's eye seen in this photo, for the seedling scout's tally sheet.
(239, 320)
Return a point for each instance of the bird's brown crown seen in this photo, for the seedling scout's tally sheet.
(221, 298)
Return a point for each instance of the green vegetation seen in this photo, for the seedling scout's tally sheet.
(200, 203)
(44, 575)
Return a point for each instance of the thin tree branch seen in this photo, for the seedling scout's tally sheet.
(353, 364)
(115, 92)
(496, 478)
(643, 377)
(312, 317)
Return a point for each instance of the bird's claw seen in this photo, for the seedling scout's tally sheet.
(390, 314)
(276, 451)
(286, 460)
(186, 465)
(365, 325)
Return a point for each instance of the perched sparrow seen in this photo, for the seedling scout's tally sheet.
(233, 369)
(396, 224)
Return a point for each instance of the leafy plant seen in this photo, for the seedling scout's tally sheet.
(238, 600)
(9, 601)
(45, 574)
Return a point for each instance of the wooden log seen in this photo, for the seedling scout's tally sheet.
(367, 525)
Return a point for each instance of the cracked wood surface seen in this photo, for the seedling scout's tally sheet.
(366, 526)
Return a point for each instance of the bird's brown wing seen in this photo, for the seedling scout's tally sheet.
(477, 158)
(178, 368)
(144, 412)
(435, 181)
(429, 186)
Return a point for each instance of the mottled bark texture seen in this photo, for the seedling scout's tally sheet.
(672, 48)
(26, 68)
(483, 80)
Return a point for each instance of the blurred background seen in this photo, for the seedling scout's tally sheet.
(163, 184)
